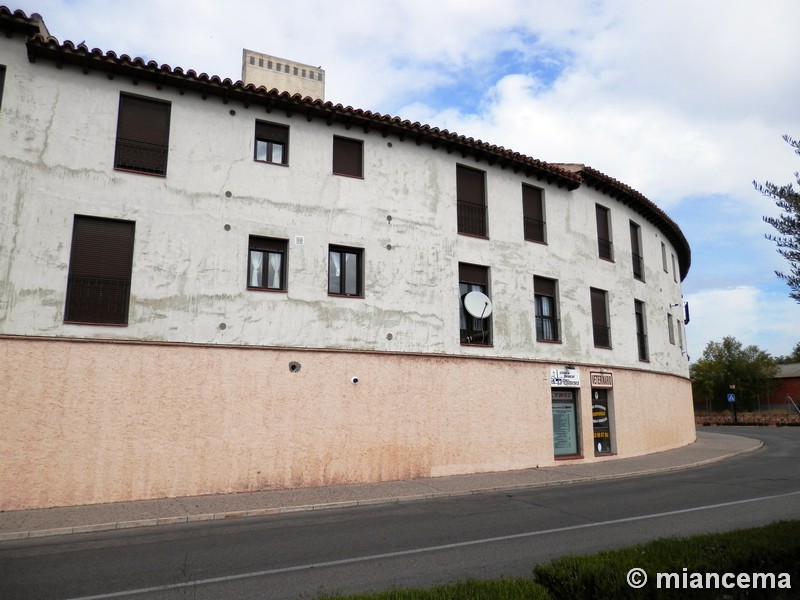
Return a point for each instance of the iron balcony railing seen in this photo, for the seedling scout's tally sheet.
(602, 336)
(141, 156)
(638, 266)
(534, 230)
(605, 248)
(547, 329)
(472, 219)
(97, 300)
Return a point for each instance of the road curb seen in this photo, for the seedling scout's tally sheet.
(237, 514)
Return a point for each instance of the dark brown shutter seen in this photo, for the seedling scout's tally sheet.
(470, 186)
(532, 203)
(267, 244)
(544, 287)
(102, 248)
(635, 239)
(603, 230)
(143, 120)
(2, 82)
(473, 274)
(347, 157)
(272, 132)
(599, 314)
(98, 288)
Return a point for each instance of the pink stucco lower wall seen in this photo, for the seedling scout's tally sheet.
(88, 422)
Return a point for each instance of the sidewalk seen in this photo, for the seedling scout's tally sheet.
(21, 524)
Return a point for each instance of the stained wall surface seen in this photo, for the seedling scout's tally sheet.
(194, 395)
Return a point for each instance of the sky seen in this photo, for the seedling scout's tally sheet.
(685, 101)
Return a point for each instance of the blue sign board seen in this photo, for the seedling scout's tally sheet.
(731, 398)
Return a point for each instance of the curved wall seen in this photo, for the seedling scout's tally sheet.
(194, 395)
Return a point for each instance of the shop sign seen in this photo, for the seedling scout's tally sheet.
(601, 380)
(599, 414)
(565, 378)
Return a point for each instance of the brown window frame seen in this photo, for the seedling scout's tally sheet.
(344, 269)
(2, 83)
(142, 143)
(640, 315)
(471, 202)
(601, 326)
(548, 326)
(266, 246)
(637, 257)
(348, 157)
(100, 271)
(270, 137)
(473, 330)
(605, 244)
(533, 214)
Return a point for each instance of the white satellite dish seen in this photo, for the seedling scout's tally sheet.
(478, 304)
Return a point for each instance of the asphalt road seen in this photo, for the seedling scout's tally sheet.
(409, 544)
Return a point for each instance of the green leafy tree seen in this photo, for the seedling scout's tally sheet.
(729, 363)
(787, 224)
(794, 357)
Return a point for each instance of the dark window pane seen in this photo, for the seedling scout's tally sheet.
(471, 201)
(142, 135)
(266, 263)
(347, 157)
(600, 329)
(605, 247)
(98, 287)
(344, 271)
(533, 214)
(473, 330)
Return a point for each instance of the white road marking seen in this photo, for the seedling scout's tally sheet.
(347, 561)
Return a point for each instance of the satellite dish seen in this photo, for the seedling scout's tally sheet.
(478, 304)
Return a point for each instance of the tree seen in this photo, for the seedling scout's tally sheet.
(727, 363)
(787, 224)
(794, 357)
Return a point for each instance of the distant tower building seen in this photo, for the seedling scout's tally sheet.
(285, 75)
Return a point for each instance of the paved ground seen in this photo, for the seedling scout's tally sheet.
(20, 524)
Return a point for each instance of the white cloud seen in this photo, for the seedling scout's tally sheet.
(753, 316)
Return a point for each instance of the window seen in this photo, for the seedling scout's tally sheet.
(272, 143)
(142, 135)
(674, 269)
(600, 328)
(471, 201)
(99, 281)
(641, 329)
(605, 248)
(533, 214)
(671, 328)
(474, 329)
(2, 82)
(348, 157)
(664, 257)
(266, 264)
(547, 329)
(345, 271)
(601, 422)
(680, 334)
(636, 251)
(565, 423)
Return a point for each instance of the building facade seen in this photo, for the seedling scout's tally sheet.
(213, 287)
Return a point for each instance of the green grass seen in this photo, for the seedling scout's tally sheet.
(774, 549)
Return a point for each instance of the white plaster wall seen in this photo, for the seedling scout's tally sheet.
(189, 273)
(195, 408)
